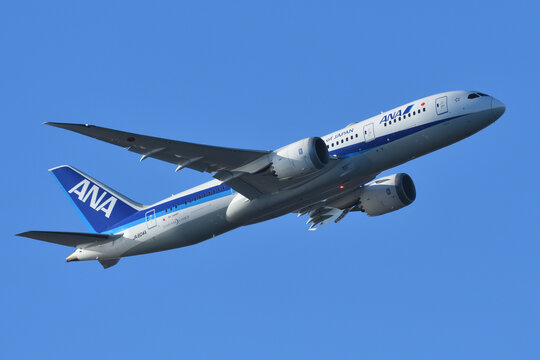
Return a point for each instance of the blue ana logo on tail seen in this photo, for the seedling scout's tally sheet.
(96, 203)
(100, 206)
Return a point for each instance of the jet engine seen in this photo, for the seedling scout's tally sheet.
(387, 194)
(300, 158)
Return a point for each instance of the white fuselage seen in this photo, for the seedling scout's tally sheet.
(362, 150)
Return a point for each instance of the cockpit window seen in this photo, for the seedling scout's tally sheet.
(475, 95)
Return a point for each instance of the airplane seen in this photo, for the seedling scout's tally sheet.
(324, 178)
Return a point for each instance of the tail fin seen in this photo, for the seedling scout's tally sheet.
(100, 206)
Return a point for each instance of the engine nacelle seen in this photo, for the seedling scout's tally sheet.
(387, 194)
(300, 158)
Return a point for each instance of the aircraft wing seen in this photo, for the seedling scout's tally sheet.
(242, 170)
(226, 164)
(204, 158)
(322, 215)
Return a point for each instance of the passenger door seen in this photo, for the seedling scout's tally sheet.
(369, 132)
(151, 219)
(441, 105)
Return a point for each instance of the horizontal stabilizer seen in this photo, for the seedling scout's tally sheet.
(73, 239)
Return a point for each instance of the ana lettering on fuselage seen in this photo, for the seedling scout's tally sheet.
(395, 114)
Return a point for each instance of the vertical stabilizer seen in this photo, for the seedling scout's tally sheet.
(100, 206)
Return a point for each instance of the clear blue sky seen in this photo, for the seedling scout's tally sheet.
(453, 276)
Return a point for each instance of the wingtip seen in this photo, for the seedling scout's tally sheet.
(64, 125)
(25, 234)
(57, 124)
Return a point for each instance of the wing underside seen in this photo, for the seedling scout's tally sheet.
(204, 158)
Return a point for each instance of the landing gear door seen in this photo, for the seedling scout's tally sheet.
(151, 219)
(369, 132)
(441, 105)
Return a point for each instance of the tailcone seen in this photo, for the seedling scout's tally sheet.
(72, 257)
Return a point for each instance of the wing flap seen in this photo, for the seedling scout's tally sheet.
(73, 239)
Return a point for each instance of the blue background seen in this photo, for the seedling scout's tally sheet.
(454, 275)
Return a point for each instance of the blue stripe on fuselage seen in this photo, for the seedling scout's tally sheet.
(174, 205)
(358, 148)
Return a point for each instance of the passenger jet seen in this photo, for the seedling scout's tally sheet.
(324, 178)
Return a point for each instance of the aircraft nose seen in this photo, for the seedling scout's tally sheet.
(497, 107)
